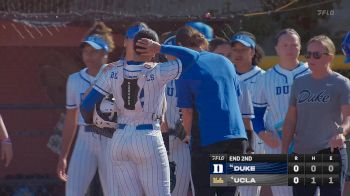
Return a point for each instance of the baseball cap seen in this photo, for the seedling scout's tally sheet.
(345, 45)
(97, 42)
(203, 28)
(244, 39)
(170, 41)
(132, 31)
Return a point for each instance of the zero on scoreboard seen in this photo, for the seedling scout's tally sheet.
(274, 169)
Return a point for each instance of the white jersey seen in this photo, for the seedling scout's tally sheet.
(272, 90)
(247, 82)
(173, 112)
(250, 77)
(77, 84)
(138, 89)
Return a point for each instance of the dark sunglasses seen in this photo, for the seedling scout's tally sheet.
(315, 55)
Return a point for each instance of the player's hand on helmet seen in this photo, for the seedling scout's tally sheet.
(337, 141)
(148, 47)
(6, 153)
(61, 169)
(270, 138)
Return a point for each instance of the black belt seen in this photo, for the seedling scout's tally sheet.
(107, 132)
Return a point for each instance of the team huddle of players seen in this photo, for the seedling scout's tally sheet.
(127, 110)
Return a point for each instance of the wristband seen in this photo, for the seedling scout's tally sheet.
(6, 141)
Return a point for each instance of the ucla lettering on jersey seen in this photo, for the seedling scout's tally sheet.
(139, 91)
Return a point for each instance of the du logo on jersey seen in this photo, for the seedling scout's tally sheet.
(218, 168)
(282, 90)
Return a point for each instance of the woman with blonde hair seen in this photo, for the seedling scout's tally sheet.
(319, 109)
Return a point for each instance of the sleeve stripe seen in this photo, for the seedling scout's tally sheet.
(179, 70)
(71, 105)
(262, 104)
(100, 89)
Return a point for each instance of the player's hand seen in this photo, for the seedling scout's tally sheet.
(148, 47)
(270, 138)
(187, 139)
(61, 169)
(6, 153)
(337, 141)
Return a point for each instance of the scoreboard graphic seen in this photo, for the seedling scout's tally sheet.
(274, 170)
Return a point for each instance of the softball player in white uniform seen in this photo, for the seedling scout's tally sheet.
(89, 150)
(272, 92)
(249, 79)
(137, 151)
(179, 151)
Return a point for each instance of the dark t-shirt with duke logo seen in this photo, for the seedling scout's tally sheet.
(318, 103)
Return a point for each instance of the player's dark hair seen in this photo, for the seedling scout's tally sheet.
(259, 52)
(189, 37)
(166, 35)
(216, 42)
(100, 28)
(286, 31)
(145, 33)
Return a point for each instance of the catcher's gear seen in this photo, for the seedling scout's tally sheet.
(172, 166)
(179, 130)
(105, 115)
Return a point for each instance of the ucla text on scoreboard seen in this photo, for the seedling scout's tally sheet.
(274, 169)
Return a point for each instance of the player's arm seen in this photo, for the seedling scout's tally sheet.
(68, 134)
(343, 129)
(185, 102)
(164, 126)
(289, 128)
(101, 89)
(69, 128)
(187, 116)
(246, 107)
(260, 103)
(345, 110)
(338, 140)
(6, 144)
(88, 105)
(187, 56)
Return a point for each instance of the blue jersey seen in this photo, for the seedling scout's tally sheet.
(210, 85)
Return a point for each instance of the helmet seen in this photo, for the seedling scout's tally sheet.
(105, 115)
